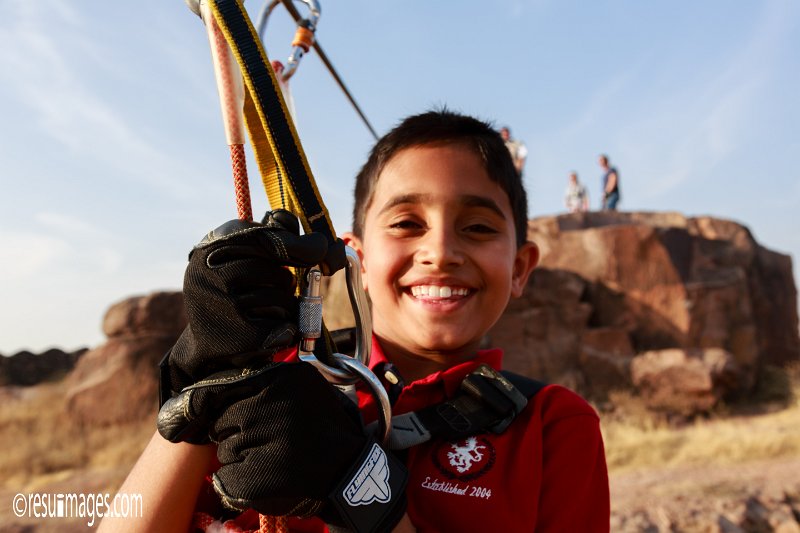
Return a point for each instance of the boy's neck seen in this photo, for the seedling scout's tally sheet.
(415, 366)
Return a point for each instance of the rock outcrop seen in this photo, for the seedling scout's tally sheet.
(117, 381)
(684, 381)
(26, 368)
(611, 285)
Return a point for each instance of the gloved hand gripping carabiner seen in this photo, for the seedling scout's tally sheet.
(350, 369)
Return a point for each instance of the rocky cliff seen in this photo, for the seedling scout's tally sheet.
(687, 310)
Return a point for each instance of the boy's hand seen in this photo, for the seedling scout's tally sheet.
(297, 447)
(241, 306)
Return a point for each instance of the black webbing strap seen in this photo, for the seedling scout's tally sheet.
(487, 401)
(262, 88)
(527, 386)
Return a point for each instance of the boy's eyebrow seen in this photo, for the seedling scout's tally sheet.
(471, 200)
(468, 200)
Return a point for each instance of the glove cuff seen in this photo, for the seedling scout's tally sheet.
(372, 496)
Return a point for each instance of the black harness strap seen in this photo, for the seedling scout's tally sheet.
(527, 386)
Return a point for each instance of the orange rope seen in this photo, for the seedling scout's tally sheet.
(240, 184)
(272, 524)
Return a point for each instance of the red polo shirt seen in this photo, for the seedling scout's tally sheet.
(546, 472)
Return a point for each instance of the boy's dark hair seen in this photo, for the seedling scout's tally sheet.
(444, 127)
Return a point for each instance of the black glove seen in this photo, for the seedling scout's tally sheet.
(297, 447)
(240, 302)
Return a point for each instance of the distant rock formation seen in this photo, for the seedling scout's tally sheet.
(612, 285)
(118, 380)
(25, 368)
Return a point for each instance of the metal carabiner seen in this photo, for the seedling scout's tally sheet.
(350, 369)
(303, 37)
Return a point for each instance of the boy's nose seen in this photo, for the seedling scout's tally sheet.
(440, 248)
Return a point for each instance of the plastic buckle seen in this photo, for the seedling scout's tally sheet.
(492, 388)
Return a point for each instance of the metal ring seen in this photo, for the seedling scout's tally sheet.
(378, 392)
(334, 375)
(360, 306)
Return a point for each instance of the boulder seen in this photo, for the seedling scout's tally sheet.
(118, 381)
(685, 382)
(541, 331)
(605, 360)
(677, 282)
(159, 313)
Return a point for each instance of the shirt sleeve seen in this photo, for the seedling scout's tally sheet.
(574, 493)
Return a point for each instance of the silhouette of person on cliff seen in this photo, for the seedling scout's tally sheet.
(611, 190)
(576, 198)
(518, 150)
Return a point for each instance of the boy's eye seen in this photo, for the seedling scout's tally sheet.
(405, 224)
(480, 228)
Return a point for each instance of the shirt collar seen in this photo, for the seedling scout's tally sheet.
(451, 377)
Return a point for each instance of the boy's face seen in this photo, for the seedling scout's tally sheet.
(439, 253)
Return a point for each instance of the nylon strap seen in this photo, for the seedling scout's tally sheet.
(487, 401)
(284, 169)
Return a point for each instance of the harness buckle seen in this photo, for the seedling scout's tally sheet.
(493, 389)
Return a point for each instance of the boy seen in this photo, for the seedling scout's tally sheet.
(440, 223)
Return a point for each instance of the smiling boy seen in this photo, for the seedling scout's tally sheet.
(439, 256)
(440, 226)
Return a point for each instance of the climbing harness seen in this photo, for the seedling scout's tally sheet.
(250, 94)
(487, 401)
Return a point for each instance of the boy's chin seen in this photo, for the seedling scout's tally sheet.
(455, 345)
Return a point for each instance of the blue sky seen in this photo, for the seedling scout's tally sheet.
(113, 161)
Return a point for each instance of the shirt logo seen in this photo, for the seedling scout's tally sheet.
(462, 457)
(371, 482)
(465, 460)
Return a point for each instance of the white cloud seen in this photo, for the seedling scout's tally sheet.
(25, 256)
(693, 130)
(39, 66)
(62, 222)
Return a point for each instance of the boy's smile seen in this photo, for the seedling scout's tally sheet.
(439, 256)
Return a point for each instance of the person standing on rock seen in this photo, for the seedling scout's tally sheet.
(576, 199)
(611, 190)
(517, 149)
(440, 226)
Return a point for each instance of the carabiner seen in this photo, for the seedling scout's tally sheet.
(350, 369)
(303, 37)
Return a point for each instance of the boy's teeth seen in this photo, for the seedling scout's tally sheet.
(437, 291)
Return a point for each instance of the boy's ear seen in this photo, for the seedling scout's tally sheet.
(354, 242)
(526, 260)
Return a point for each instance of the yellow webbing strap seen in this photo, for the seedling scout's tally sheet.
(284, 169)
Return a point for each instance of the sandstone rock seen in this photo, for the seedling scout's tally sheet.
(541, 331)
(605, 360)
(118, 381)
(160, 313)
(677, 282)
(684, 381)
